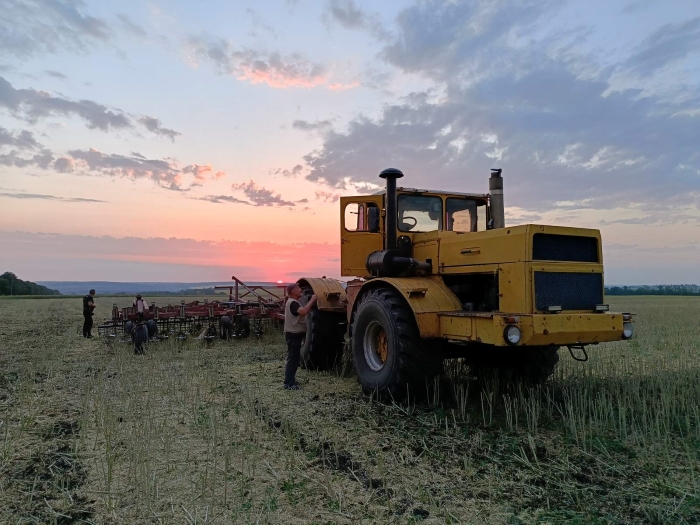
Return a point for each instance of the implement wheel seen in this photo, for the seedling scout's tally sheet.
(389, 356)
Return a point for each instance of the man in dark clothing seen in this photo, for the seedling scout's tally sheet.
(294, 332)
(88, 311)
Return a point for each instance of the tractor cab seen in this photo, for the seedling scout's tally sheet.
(420, 216)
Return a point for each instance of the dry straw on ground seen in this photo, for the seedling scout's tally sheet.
(191, 433)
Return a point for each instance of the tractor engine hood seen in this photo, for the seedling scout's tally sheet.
(529, 242)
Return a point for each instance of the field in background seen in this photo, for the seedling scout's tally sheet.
(191, 433)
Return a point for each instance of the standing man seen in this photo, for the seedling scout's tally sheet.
(88, 311)
(294, 332)
(141, 306)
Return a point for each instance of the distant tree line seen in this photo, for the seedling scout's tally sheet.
(11, 285)
(661, 289)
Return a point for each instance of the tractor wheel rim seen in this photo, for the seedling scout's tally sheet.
(376, 346)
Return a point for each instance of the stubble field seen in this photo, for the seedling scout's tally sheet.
(196, 433)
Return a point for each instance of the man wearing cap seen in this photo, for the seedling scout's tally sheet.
(294, 332)
(141, 306)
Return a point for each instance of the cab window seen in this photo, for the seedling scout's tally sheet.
(358, 217)
(419, 213)
(464, 215)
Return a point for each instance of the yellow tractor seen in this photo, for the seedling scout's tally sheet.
(439, 275)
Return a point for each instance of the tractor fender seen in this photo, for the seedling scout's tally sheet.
(330, 293)
(426, 296)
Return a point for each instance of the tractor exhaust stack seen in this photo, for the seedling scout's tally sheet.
(389, 262)
(498, 214)
(390, 174)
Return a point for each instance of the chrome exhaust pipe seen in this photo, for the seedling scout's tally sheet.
(498, 212)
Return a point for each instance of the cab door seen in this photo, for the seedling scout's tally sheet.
(361, 232)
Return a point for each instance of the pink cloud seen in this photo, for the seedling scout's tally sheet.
(262, 67)
(64, 165)
(259, 195)
(199, 171)
(278, 76)
(338, 86)
(166, 172)
(327, 197)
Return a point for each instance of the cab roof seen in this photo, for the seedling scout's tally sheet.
(438, 192)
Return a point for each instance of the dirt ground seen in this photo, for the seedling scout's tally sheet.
(204, 433)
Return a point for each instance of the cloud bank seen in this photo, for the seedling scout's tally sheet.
(541, 110)
(35, 196)
(31, 106)
(30, 27)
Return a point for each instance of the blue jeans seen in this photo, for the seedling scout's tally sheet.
(293, 356)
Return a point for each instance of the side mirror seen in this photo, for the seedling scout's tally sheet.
(373, 219)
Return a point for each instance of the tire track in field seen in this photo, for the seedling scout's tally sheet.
(333, 422)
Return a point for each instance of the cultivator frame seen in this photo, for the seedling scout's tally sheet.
(258, 304)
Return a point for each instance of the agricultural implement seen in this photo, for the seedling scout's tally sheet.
(249, 309)
(439, 275)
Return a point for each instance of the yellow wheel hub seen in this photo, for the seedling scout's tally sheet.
(382, 346)
(376, 345)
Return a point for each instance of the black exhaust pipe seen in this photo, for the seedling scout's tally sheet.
(390, 174)
(390, 262)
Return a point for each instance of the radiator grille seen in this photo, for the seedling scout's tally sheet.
(570, 290)
(550, 247)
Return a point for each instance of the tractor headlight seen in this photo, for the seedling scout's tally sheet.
(627, 330)
(512, 334)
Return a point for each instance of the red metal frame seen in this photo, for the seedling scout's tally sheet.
(234, 291)
(251, 303)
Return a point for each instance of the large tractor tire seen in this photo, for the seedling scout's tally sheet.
(539, 362)
(139, 337)
(528, 364)
(152, 328)
(325, 338)
(243, 328)
(390, 358)
(225, 327)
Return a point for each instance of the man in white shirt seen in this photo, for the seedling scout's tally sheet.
(141, 306)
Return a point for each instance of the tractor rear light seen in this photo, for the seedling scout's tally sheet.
(554, 309)
(511, 320)
(602, 308)
(512, 334)
(627, 330)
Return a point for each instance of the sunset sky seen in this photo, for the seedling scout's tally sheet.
(162, 140)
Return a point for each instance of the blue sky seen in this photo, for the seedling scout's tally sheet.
(223, 133)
